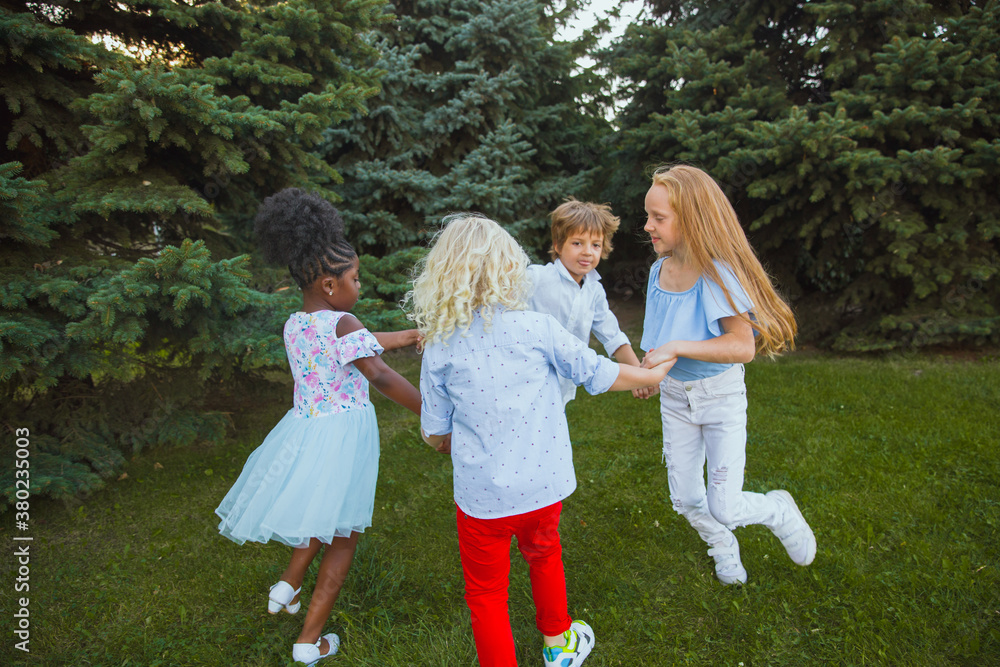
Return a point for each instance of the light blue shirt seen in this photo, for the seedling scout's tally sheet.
(691, 315)
(497, 393)
(580, 308)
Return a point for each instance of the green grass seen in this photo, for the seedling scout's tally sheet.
(894, 463)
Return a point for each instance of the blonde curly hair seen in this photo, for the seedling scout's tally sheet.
(473, 264)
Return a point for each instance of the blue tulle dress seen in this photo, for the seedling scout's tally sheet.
(314, 475)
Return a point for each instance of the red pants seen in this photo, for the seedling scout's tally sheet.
(485, 548)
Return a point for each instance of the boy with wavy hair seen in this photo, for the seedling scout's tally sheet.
(569, 287)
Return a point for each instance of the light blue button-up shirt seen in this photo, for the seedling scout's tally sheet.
(581, 308)
(497, 392)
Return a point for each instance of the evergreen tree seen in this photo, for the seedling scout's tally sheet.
(858, 140)
(481, 109)
(138, 138)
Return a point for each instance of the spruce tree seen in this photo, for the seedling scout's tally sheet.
(859, 142)
(481, 109)
(138, 138)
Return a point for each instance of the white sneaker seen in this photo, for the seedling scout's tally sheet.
(728, 566)
(579, 642)
(795, 534)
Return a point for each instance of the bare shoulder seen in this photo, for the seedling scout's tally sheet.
(348, 324)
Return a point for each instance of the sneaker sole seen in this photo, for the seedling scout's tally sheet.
(738, 580)
(735, 573)
(811, 550)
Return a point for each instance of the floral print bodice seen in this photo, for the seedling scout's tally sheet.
(326, 382)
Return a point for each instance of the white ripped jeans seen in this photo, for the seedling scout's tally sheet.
(707, 420)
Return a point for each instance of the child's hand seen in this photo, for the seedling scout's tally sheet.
(660, 355)
(661, 360)
(646, 392)
(441, 443)
(662, 368)
(392, 340)
(413, 337)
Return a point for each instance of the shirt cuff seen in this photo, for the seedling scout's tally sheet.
(434, 425)
(603, 378)
(612, 345)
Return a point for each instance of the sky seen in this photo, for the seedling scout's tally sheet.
(586, 18)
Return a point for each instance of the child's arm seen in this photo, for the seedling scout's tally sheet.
(734, 346)
(436, 409)
(389, 383)
(571, 358)
(626, 355)
(605, 327)
(393, 340)
(632, 377)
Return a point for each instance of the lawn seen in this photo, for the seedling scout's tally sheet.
(894, 462)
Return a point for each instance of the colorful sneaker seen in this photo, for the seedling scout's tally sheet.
(795, 534)
(579, 642)
(728, 566)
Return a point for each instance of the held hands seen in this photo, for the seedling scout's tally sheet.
(394, 340)
(665, 354)
(646, 392)
(441, 443)
(660, 359)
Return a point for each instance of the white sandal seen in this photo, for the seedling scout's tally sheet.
(280, 595)
(309, 653)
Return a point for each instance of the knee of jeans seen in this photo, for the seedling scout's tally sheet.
(686, 504)
(723, 515)
(717, 505)
(684, 497)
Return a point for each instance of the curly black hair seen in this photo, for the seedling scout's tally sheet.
(305, 232)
